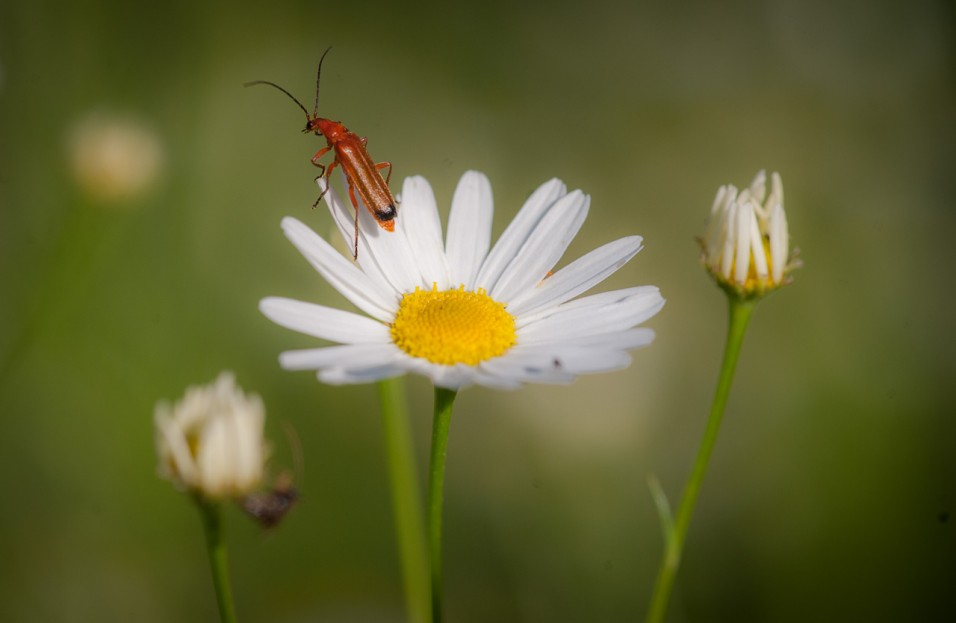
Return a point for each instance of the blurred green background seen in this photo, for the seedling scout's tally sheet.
(832, 492)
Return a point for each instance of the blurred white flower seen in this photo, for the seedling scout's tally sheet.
(747, 246)
(211, 442)
(114, 158)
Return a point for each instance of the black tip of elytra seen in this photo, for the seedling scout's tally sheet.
(386, 214)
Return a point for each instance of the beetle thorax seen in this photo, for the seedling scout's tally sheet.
(332, 130)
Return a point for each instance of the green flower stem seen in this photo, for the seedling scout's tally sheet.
(216, 547)
(406, 499)
(444, 399)
(676, 533)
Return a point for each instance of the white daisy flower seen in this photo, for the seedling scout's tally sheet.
(457, 312)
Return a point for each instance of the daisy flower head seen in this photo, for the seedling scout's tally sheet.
(746, 247)
(115, 159)
(455, 308)
(211, 442)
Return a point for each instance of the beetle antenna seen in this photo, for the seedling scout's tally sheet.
(292, 97)
(318, 74)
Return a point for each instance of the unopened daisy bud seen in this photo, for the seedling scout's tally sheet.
(211, 442)
(747, 246)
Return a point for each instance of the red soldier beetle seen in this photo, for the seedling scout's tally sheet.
(361, 172)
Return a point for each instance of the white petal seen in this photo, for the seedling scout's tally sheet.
(716, 236)
(420, 221)
(249, 452)
(527, 368)
(351, 355)
(745, 221)
(721, 199)
(728, 242)
(372, 298)
(593, 302)
(344, 215)
(518, 231)
(469, 228)
(581, 360)
(544, 247)
(358, 366)
(381, 253)
(759, 255)
(213, 457)
(561, 362)
(454, 377)
(594, 362)
(578, 319)
(577, 277)
(758, 187)
(339, 376)
(777, 226)
(486, 378)
(619, 340)
(449, 377)
(324, 322)
(397, 258)
(177, 446)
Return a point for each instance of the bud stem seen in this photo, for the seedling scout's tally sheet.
(675, 535)
(216, 547)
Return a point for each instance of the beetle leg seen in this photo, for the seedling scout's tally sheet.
(382, 165)
(326, 172)
(354, 205)
(319, 154)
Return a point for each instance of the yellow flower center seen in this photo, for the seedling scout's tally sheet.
(753, 283)
(452, 326)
